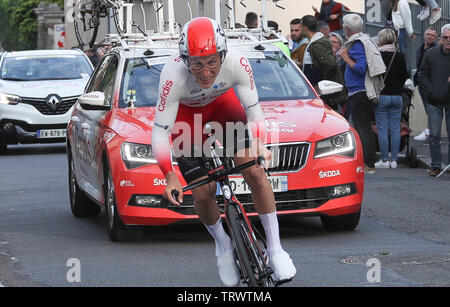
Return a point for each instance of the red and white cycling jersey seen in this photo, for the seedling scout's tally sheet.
(178, 85)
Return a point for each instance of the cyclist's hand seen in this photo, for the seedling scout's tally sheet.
(259, 150)
(173, 184)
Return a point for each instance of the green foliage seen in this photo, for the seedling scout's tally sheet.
(18, 19)
(6, 37)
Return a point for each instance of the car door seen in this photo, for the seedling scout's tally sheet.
(92, 123)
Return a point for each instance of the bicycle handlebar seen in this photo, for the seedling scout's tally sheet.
(234, 170)
(175, 194)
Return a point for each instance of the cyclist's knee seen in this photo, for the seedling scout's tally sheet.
(204, 196)
(255, 177)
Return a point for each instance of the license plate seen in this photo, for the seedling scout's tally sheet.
(51, 133)
(239, 186)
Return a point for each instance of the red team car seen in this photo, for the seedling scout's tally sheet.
(317, 166)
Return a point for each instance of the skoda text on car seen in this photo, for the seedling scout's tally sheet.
(37, 91)
(317, 166)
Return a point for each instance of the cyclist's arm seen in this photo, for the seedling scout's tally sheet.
(165, 114)
(248, 95)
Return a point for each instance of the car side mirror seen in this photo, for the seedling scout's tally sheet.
(327, 87)
(93, 101)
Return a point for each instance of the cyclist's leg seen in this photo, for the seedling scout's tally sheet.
(190, 159)
(264, 203)
(206, 208)
(263, 197)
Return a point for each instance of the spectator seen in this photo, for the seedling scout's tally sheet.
(101, 49)
(331, 13)
(401, 19)
(299, 41)
(323, 27)
(429, 42)
(251, 20)
(336, 42)
(388, 113)
(319, 62)
(426, 6)
(274, 25)
(354, 55)
(434, 77)
(92, 55)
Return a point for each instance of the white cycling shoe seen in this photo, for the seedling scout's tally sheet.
(228, 270)
(282, 265)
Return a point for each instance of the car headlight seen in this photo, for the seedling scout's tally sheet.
(341, 145)
(137, 155)
(9, 99)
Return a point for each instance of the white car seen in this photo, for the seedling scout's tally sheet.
(37, 91)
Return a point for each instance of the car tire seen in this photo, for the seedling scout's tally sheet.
(80, 204)
(341, 223)
(3, 149)
(116, 229)
(412, 157)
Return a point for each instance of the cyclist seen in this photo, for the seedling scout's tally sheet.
(196, 88)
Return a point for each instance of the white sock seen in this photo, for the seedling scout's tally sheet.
(271, 228)
(223, 241)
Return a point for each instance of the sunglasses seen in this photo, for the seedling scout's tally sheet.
(196, 66)
(445, 37)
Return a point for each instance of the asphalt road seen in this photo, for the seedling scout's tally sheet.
(404, 226)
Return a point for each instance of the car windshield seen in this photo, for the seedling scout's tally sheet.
(35, 68)
(140, 82)
(276, 78)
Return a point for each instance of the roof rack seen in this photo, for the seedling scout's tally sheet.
(149, 39)
(255, 36)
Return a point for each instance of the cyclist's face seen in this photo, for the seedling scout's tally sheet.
(205, 69)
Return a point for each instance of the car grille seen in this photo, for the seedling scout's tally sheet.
(289, 157)
(44, 108)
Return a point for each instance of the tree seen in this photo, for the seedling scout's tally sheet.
(7, 37)
(20, 22)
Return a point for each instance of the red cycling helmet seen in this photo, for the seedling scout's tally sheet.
(202, 36)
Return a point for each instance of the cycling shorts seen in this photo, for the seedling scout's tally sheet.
(224, 109)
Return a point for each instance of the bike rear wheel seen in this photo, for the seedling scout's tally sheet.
(118, 21)
(86, 20)
(251, 259)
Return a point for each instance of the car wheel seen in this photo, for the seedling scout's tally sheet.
(3, 149)
(80, 204)
(117, 230)
(342, 222)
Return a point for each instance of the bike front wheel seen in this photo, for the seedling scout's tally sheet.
(86, 20)
(252, 262)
